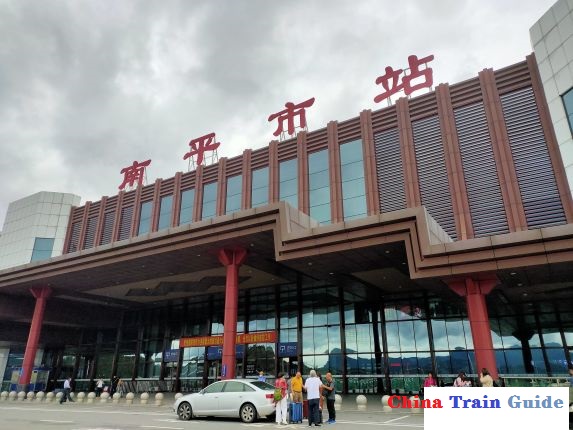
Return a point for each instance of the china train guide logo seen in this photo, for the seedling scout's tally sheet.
(134, 175)
(391, 85)
(509, 407)
(199, 147)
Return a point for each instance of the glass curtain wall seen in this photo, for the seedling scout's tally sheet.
(209, 208)
(319, 186)
(260, 187)
(352, 174)
(165, 210)
(145, 218)
(234, 194)
(186, 208)
(288, 182)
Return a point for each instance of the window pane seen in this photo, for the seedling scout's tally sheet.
(351, 151)
(352, 174)
(288, 170)
(318, 161)
(186, 211)
(165, 212)
(42, 249)
(352, 171)
(260, 187)
(145, 218)
(209, 200)
(234, 186)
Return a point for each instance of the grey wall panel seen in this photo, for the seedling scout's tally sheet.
(535, 176)
(390, 170)
(480, 173)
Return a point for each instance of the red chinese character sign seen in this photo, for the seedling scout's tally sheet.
(134, 174)
(289, 114)
(199, 147)
(390, 79)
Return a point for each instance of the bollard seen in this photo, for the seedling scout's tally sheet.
(81, 397)
(104, 397)
(337, 402)
(116, 398)
(158, 399)
(144, 398)
(414, 409)
(3, 396)
(30, 396)
(50, 397)
(361, 402)
(91, 397)
(178, 396)
(129, 398)
(40, 396)
(385, 403)
(21, 396)
(72, 396)
(59, 396)
(13, 395)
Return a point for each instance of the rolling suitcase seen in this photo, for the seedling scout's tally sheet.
(295, 412)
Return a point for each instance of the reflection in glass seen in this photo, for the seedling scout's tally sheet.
(186, 211)
(234, 194)
(260, 187)
(288, 182)
(209, 200)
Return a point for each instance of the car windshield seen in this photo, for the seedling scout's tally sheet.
(262, 385)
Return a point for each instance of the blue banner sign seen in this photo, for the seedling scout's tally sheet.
(171, 355)
(287, 349)
(216, 352)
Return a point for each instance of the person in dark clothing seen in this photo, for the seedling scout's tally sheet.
(114, 382)
(329, 391)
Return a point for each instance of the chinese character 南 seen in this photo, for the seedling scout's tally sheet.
(389, 80)
(134, 173)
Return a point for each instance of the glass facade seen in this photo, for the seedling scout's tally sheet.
(568, 103)
(209, 200)
(42, 249)
(288, 182)
(260, 187)
(319, 186)
(145, 218)
(165, 210)
(352, 174)
(234, 194)
(371, 343)
(186, 208)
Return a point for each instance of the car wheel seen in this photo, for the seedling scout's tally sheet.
(248, 413)
(184, 411)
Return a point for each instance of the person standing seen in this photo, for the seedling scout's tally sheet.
(485, 378)
(296, 387)
(312, 388)
(262, 377)
(99, 387)
(430, 381)
(329, 390)
(281, 405)
(67, 390)
(114, 382)
(460, 380)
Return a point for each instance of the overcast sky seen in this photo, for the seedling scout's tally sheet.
(87, 87)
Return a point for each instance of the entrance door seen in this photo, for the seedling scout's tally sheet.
(214, 371)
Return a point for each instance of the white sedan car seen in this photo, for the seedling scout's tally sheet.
(247, 399)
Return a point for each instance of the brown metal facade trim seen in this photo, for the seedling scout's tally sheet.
(247, 180)
(336, 210)
(198, 203)
(67, 238)
(369, 158)
(412, 183)
(273, 172)
(117, 217)
(550, 139)
(83, 226)
(156, 205)
(176, 208)
(302, 164)
(99, 227)
(454, 166)
(136, 216)
(221, 187)
(502, 152)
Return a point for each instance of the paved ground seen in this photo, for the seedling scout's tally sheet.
(73, 416)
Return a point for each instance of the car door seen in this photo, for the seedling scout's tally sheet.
(232, 397)
(207, 400)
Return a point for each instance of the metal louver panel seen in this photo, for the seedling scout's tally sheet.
(125, 223)
(74, 237)
(535, 176)
(90, 232)
(432, 173)
(107, 230)
(390, 171)
(482, 183)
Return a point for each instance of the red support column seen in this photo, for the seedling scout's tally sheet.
(41, 294)
(232, 259)
(474, 293)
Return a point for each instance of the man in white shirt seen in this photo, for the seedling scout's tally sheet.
(312, 388)
(67, 390)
